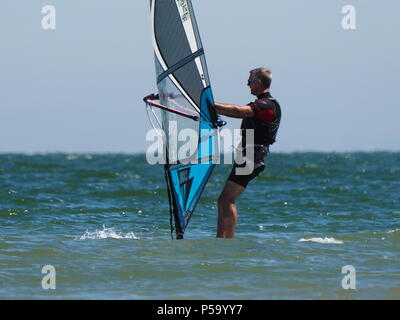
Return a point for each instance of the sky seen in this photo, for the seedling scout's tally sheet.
(79, 88)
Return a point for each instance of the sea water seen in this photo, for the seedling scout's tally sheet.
(101, 221)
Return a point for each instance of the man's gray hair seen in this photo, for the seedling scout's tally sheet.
(264, 75)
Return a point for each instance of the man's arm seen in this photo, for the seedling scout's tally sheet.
(233, 111)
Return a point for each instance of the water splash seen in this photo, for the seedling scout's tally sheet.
(107, 233)
(322, 240)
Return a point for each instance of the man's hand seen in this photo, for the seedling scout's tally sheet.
(153, 96)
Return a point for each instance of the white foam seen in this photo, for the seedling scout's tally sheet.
(107, 233)
(322, 240)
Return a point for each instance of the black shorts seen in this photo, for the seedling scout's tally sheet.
(259, 167)
(244, 180)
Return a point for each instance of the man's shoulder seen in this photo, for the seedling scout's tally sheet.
(265, 103)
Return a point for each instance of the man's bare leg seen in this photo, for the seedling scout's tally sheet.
(227, 211)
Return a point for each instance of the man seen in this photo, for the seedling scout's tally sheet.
(263, 116)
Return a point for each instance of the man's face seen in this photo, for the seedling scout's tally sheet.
(254, 84)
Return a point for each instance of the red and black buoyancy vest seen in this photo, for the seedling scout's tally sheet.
(266, 121)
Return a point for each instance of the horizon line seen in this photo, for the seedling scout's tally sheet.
(144, 152)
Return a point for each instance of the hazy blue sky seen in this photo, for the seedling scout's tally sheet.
(79, 88)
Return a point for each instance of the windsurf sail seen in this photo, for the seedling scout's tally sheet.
(185, 102)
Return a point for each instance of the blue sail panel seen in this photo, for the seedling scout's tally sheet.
(187, 184)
